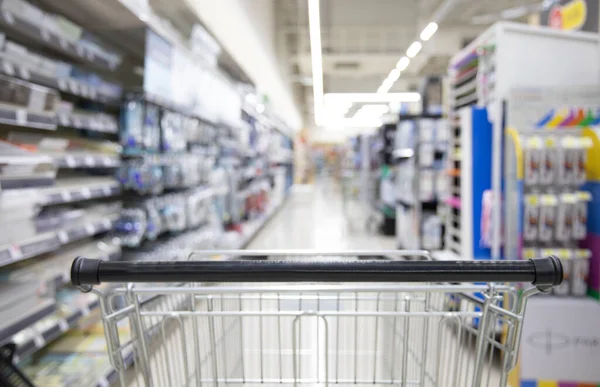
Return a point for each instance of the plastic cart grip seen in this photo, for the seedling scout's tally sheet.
(542, 271)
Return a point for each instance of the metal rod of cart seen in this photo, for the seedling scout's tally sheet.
(315, 318)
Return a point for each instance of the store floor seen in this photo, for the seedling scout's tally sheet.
(317, 217)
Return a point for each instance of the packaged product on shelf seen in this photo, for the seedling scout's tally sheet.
(565, 218)
(580, 164)
(568, 161)
(426, 155)
(151, 130)
(533, 160)
(172, 132)
(427, 185)
(550, 160)
(547, 217)
(581, 215)
(432, 232)
(580, 272)
(427, 130)
(131, 226)
(531, 222)
(154, 226)
(132, 129)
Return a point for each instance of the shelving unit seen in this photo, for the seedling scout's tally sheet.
(418, 157)
(504, 57)
(66, 190)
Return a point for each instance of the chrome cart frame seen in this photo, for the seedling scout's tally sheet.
(310, 321)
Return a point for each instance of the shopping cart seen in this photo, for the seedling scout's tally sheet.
(308, 321)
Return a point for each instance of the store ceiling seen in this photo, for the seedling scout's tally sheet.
(363, 39)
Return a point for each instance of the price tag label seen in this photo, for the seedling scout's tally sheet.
(73, 86)
(63, 325)
(70, 160)
(63, 237)
(45, 34)
(93, 92)
(25, 74)
(107, 161)
(8, 67)
(89, 161)
(85, 191)
(83, 90)
(66, 196)
(107, 190)
(90, 229)
(39, 341)
(21, 117)
(103, 382)
(9, 17)
(63, 119)
(15, 252)
(107, 224)
(63, 84)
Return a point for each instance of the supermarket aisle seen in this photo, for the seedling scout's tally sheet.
(313, 217)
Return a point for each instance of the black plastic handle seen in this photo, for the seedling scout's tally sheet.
(543, 271)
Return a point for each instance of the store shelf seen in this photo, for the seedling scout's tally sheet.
(66, 85)
(50, 241)
(19, 116)
(466, 88)
(78, 189)
(37, 32)
(403, 153)
(95, 122)
(44, 331)
(464, 77)
(24, 309)
(86, 160)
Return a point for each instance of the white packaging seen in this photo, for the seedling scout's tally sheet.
(432, 232)
(580, 166)
(547, 217)
(427, 184)
(531, 221)
(580, 271)
(426, 155)
(533, 161)
(568, 156)
(581, 215)
(442, 185)
(550, 160)
(427, 130)
(565, 217)
(442, 131)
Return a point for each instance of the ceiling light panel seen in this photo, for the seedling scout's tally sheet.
(314, 24)
(414, 49)
(428, 31)
(402, 63)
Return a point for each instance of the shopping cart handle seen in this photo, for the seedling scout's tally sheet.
(541, 272)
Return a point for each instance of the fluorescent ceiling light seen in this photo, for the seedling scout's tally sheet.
(428, 31)
(414, 49)
(314, 24)
(373, 97)
(394, 75)
(402, 63)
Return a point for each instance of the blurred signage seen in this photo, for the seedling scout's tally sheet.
(561, 340)
(157, 65)
(572, 15)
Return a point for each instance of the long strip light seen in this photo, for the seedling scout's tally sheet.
(413, 49)
(372, 97)
(316, 55)
(428, 31)
(403, 63)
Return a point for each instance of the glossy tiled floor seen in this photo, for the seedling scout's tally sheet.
(316, 217)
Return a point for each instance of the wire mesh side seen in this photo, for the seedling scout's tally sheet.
(406, 338)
